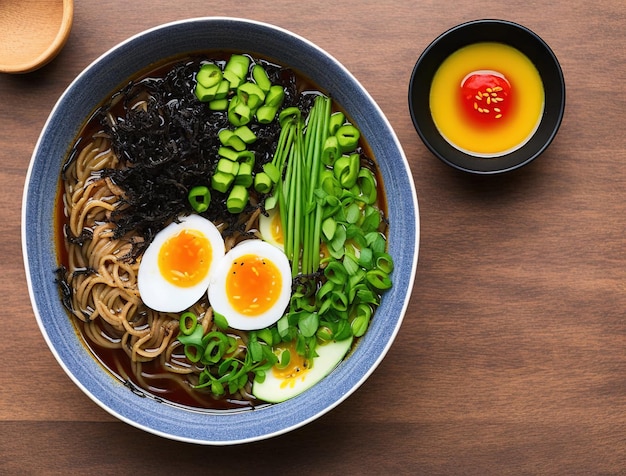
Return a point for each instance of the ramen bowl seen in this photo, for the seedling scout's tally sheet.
(508, 47)
(108, 74)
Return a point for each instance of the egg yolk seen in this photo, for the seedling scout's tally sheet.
(486, 97)
(184, 259)
(253, 285)
(276, 229)
(296, 369)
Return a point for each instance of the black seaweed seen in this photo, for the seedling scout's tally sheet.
(170, 144)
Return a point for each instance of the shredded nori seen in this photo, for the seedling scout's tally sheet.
(167, 143)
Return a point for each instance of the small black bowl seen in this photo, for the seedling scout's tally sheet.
(477, 31)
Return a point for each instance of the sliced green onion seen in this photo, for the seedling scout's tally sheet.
(204, 94)
(237, 199)
(227, 166)
(367, 185)
(221, 181)
(244, 175)
(209, 75)
(218, 104)
(331, 151)
(215, 346)
(350, 264)
(378, 279)
(223, 88)
(239, 113)
(329, 226)
(187, 323)
(266, 114)
(245, 134)
(275, 96)
(272, 171)
(371, 219)
(346, 170)
(348, 137)
(263, 183)
(228, 153)
(260, 77)
(199, 198)
(337, 120)
(376, 241)
(361, 320)
(336, 273)
(231, 139)
(193, 352)
(236, 70)
(384, 262)
(353, 213)
(288, 114)
(366, 258)
(251, 95)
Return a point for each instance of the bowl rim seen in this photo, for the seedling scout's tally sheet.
(169, 429)
(550, 122)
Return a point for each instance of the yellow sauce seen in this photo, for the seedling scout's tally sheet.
(498, 137)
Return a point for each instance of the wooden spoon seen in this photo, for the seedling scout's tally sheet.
(32, 32)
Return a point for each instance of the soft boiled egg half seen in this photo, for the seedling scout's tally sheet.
(298, 375)
(175, 269)
(271, 229)
(251, 285)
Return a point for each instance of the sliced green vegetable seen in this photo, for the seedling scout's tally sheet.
(346, 170)
(199, 198)
(226, 166)
(228, 153)
(245, 134)
(244, 175)
(209, 75)
(337, 120)
(218, 104)
(263, 183)
(187, 323)
(231, 139)
(222, 181)
(348, 138)
(236, 70)
(260, 77)
(237, 199)
(275, 96)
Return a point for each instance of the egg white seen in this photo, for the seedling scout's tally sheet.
(218, 296)
(275, 389)
(266, 228)
(160, 294)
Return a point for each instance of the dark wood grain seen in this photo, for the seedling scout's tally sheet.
(512, 355)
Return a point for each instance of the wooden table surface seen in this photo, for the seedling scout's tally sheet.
(512, 356)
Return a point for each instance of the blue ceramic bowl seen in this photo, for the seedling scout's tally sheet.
(85, 93)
